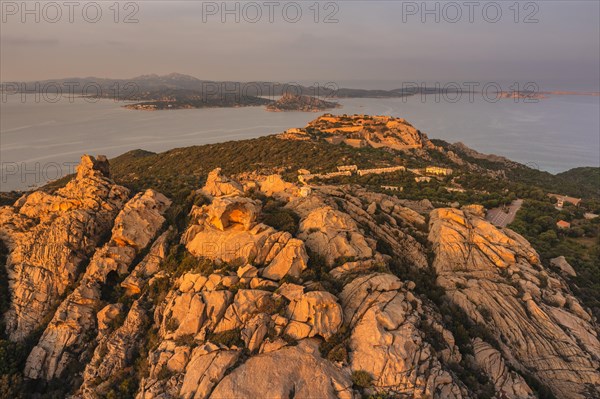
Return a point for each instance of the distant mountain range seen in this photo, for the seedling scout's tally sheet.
(152, 87)
(177, 90)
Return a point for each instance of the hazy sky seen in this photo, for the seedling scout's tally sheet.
(372, 40)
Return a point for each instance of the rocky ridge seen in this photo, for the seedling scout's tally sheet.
(362, 131)
(234, 307)
(49, 238)
(134, 228)
(496, 277)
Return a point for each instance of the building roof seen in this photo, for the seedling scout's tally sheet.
(565, 198)
(563, 225)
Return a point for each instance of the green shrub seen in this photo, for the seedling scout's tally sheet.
(124, 385)
(228, 338)
(172, 324)
(543, 280)
(164, 373)
(271, 306)
(338, 354)
(11, 386)
(186, 340)
(281, 219)
(361, 379)
(180, 261)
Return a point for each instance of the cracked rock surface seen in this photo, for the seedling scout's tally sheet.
(226, 305)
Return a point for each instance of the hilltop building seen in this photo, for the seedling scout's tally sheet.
(362, 172)
(561, 199)
(344, 168)
(436, 170)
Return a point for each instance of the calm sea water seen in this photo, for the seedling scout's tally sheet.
(41, 141)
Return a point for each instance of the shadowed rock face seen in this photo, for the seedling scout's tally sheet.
(243, 311)
(50, 236)
(492, 363)
(495, 277)
(136, 224)
(118, 348)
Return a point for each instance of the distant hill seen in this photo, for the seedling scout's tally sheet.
(292, 102)
(327, 142)
(362, 131)
(585, 180)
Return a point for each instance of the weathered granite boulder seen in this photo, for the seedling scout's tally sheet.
(313, 313)
(283, 256)
(386, 341)
(306, 375)
(227, 230)
(218, 185)
(334, 235)
(564, 266)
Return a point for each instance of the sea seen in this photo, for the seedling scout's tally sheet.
(41, 140)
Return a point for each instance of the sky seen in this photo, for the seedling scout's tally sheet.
(346, 41)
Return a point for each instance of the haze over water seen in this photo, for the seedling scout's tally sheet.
(36, 139)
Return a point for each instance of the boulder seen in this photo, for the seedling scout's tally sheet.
(306, 376)
(386, 342)
(136, 225)
(227, 230)
(238, 213)
(333, 235)
(283, 256)
(313, 313)
(274, 185)
(246, 304)
(218, 185)
(107, 314)
(564, 266)
(206, 368)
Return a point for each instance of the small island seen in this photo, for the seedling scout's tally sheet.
(522, 95)
(293, 102)
(198, 101)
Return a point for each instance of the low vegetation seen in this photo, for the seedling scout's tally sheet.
(361, 379)
(580, 245)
